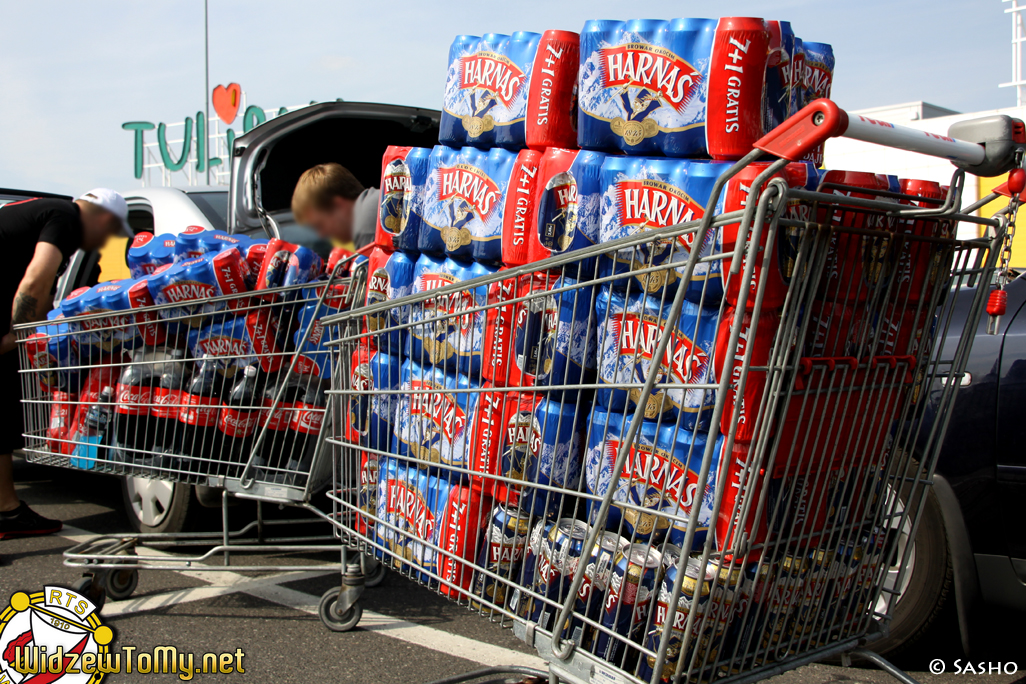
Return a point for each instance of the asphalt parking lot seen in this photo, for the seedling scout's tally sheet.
(407, 634)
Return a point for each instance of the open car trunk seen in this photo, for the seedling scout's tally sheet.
(267, 161)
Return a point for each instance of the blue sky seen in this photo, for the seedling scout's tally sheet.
(72, 72)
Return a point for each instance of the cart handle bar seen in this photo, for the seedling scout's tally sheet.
(822, 119)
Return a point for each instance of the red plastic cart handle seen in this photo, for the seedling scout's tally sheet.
(823, 119)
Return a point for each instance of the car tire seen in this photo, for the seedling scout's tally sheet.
(158, 506)
(929, 586)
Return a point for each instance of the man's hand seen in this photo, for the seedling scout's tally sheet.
(31, 301)
(7, 343)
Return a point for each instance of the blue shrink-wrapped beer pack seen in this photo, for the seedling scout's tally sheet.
(646, 194)
(404, 174)
(547, 340)
(226, 344)
(510, 91)
(189, 285)
(105, 334)
(683, 87)
(389, 277)
(628, 334)
(660, 474)
(315, 358)
(465, 198)
(371, 415)
(430, 509)
(433, 423)
(817, 80)
(443, 335)
(564, 213)
(148, 253)
(287, 264)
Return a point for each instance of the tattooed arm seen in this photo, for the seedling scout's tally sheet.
(33, 298)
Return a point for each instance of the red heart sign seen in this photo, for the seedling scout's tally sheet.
(226, 101)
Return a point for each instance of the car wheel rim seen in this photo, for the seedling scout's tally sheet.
(150, 499)
(893, 589)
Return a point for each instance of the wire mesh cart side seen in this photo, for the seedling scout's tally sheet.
(686, 453)
(226, 391)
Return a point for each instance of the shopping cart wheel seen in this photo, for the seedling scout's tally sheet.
(375, 574)
(330, 617)
(120, 584)
(88, 586)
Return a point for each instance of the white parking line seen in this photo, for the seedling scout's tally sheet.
(268, 588)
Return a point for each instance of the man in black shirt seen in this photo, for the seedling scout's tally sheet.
(37, 237)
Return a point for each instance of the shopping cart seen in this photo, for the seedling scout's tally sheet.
(656, 484)
(226, 391)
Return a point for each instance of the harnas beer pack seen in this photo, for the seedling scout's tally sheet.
(511, 91)
(469, 196)
(445, 335)
(628, 334)
(149, 253)
(643, 194)
(660, 473)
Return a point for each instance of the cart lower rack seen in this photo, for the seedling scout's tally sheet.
(224, 391)
(688, 454)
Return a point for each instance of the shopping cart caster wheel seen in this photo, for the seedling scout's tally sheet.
(121, 584)
(376, 575)
(330, 617)
(87, 586)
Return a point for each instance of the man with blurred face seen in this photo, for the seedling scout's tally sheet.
(329, 199)
(38, 237)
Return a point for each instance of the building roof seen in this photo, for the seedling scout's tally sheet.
(905, 112)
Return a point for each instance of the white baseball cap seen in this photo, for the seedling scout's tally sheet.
(112, 201)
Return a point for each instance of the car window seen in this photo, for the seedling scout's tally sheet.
(140, 218)
(214, 206)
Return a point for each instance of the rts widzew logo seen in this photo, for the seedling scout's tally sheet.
(54, 635)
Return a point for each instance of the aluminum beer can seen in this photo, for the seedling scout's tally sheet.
(628, 335)
(371, 415)
(445, 336)
(390, 276)
(659, 477)
(592, 593)
(818, 78)
(779, 72)
(520, 601)
(746, 403)
(695, 591)
(404, 172)
(625, 610)
(460, 519)
(501, 552)
(560, 553)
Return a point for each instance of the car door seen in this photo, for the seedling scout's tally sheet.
(1011, 433)
(267, 161)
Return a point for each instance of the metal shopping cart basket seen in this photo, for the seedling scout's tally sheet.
(226, 391)
(687, 454)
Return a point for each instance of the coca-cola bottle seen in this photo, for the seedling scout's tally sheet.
(167, 404)
(307, 419)
(279, 440)
(239, 419)
(200, 410)
(133, 424)
(91, 436)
